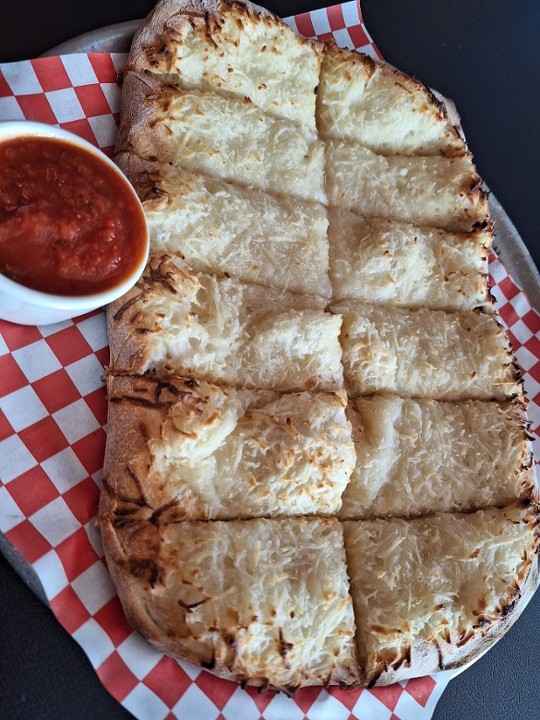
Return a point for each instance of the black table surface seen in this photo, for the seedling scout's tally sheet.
(485, 55)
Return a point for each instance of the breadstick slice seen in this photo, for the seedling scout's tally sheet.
(264, 602)
(175, 321)
(198, 451)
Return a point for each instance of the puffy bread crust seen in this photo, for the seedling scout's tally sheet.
(417, 457)
(224, 137)
(265, 602)
(221, 330)
(426, 353)
(234, 48)
(366, 101)
(380, 261)
(231, 231)
(190, 450)
(442, 192)
(453, 583)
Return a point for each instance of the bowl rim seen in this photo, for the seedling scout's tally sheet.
(11, 129)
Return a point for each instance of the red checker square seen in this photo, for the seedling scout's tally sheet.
(420, 689)
(325, 36)
(92, 99)
(305, 697)
(349, 698)
(69, 345)
(219, 691)
(56, 390)
(82, 129)
(51, 73)
(104, 356)
(388, 695)
(32, 490)
(261, 698)
(108, 151)
(508, 288)
(28, 540)
(43, 438)
(169, 681)
(36, 107)
(11, 376)
(91, 450)
(18, 336)
(83, 500)
(97, 402)
(508, 314)
(103, 66)
(358, 36)
(533, 346)
(304, 24)
(5, 90)
(116, 676)
(335, 17)
(514, 342)
(112, 619)
(535, 372)
(532, 321)
(69, 609)
(5, 428)
(76, 554)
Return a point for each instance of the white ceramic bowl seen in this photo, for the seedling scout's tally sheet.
(23, 305)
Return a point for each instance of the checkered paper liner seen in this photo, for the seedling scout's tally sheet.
(53, 430)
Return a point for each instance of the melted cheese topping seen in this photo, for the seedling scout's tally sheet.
(419, 457)
(353, 101)
(436, 580)
(221, 330)
(378, 261)
(268, 600)
(228, 230)
(223, 453)
(438, 191)
(425, 353)
(224, 137)
(242, 54)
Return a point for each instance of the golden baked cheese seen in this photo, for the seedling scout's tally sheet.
(207, 452)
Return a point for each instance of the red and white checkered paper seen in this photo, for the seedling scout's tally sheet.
(53, 429)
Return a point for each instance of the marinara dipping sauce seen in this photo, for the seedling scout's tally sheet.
(68, 223)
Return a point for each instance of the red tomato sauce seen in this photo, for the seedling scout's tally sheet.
(68, 225)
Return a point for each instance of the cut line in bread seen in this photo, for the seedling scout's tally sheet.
(441, 192)
(367, 101)
(189, 450)
(228, 138)
(264, 602)
(380, 261)
(426, 353)
(232, 231)
(221, 330)
(431, 593)
(231, 48)
(417, 457)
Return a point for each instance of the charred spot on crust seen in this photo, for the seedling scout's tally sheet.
(190, 607)
(209, 664)
(284, 647)
(146, 569)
